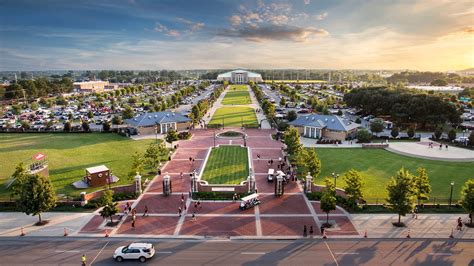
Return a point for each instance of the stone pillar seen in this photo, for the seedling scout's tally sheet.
(251, 183)
(308, 185)
(279, 188)
(167, 190)
(83, 198)
(138, 184)
(194, 182)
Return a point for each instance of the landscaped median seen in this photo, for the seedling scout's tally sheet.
(227, 165)
(234, 117)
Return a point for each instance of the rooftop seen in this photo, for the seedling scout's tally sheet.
(150, 119)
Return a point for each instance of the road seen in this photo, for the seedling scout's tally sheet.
(68, 251)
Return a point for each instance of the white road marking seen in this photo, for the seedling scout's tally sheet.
(100, 251)
(65, 251)
(253, 253)
(164, 252)
(441, 254)
(346, 253)
(334, 258)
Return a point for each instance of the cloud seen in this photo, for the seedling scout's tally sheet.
(235, 20)
(307, 2)
(160, 27)
(279, 33)
(192, 26)
(321, 16)
(278, 19)
(173, 33)
(469, 30)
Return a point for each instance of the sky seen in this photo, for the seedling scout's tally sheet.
(435, 35)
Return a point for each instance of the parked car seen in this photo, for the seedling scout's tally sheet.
(135, 251)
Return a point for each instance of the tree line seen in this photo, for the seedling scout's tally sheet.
(404, 106)
(39, 87)
(428, 77)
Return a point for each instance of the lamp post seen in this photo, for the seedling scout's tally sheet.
(156, 132)
(451, 194)
(214, 138)
(335, 178)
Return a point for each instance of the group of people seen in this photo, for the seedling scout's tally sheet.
(305, 231)
(127, 209)
(431, 145)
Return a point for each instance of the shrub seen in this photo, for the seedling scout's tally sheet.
(184, 135)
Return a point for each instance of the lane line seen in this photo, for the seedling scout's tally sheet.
(440, 254)
(346, 253)
(334, 258)
(100, 251)
(253, 253)
(67, 251)
(164, 252)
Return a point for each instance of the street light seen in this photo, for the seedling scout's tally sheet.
(335, 178)
(214, 138)
(451, 194)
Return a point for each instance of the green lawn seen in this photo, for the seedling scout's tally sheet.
(377, 166)
(227, 165)
(237, 98)
(68, 156)
(234, 116)
(238, 88)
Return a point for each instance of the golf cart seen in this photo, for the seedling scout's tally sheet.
(249, 201)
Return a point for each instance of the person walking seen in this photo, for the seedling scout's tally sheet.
(305, 232)
(193, 218)
(84, 260)
(133, 221)
(195, 205)
(459, 227)
(311, 231)
(145, 212)
(199, 204)
(179, 211)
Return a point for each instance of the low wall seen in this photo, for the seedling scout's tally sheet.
(121, 189)
(374, 146)
(241, 189)
(339, 191)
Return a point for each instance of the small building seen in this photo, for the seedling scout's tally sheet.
(319, 126)
(90, 86)
(97, 176)
(240, 76)
(158, 122)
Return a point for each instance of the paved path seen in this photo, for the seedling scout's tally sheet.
(99, 251)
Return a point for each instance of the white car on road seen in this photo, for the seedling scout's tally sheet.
(135, 251)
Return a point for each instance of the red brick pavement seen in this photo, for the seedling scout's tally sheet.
(186, 153)
(266, 154)
(344, 225)
(317, 209)
(210, 207)
(178, 166)
(150, 225)
(92, 227)
(219, 226)
(287, 226)
(287, 204)
(159, 203)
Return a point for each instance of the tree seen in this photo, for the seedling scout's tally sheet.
(358, 121)
(137, 164)
(85, 126)
(452, 134)
(328, 199)
(283, 101)
(171, 136)
(411, 132)
(312, 162)
(67, 126)
(377, 126)
(17, 179)
(90, 114)
(16, 109)
(128, 112)
(117, 120)
(439, 82)
(395, 131)
(292, 140)
(421, 185)
(291, 116)
(25, 125)
(109, 206)
(106, 126)
(438, 132)
(153, 154)
(363, 136)
(36, 195)
(467, 197)
(353, 186)
(401, 196)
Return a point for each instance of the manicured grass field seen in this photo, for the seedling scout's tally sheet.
(227, 165)
(69, 155)
(238, 88)
(377, 166)
(235, 116)
(236, 98)
(296, 81)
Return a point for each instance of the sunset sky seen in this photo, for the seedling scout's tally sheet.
(433, 35)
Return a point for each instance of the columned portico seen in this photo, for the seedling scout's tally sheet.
(312, 132)
(166, 126)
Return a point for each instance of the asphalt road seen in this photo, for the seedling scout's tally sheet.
(99, 251)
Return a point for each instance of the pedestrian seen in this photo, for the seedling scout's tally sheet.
(193, 160)
(125, 210)
(190, 160)
(134, 211)
(195, 205)
(305, 233)
(181, 174)
(133, 221)
(193, 218)
(84, 260)
(179, 211)
(199, 204)
(145, 212)
(311, 231)
(258, 156)
(440, 146)
(446, 146)
(459, 227)
(416, 212)
(182, 196)
(129, 207)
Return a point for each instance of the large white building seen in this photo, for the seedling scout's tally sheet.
(240, 76)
